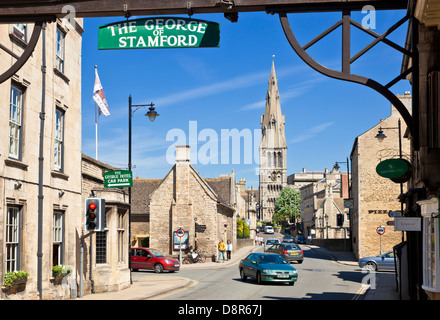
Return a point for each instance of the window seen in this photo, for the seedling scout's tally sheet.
(58, 144)
(60, 50)
(101, 247)
(121, 232)
(101, 243)
(431, 271)
(12, 239)
(15, 118)
(20, 31)
(58, 237)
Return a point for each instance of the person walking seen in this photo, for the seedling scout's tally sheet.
(228, 249)
(221, 250)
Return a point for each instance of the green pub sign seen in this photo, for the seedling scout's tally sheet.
(118, 179)
(163, 32)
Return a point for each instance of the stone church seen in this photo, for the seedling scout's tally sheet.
(273, 150)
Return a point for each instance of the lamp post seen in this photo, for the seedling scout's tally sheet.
(151, 114)
(380, 136)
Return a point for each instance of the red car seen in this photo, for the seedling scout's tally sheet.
(150, 259)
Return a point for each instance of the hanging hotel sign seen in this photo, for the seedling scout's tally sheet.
(398, 170)
(163, 32)
(118, 179)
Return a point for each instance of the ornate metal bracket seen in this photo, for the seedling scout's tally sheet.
(347, 60)
(26, 54)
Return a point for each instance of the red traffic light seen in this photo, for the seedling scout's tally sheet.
(92, 206)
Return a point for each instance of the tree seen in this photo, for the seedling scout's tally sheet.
(287, 206)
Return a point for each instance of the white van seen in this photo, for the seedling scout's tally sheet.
(268, 229)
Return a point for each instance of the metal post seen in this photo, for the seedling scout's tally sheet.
(129, 188)
(41, 166)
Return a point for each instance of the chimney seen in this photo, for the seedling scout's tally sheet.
(182, 153)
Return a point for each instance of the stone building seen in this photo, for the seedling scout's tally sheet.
(321, 202)
(273, 150)
(40, 206)
(182, 199)
(298, 180)
(374, 196)
(106, 265)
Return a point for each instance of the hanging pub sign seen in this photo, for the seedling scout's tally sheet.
(398, 170)
(163, 32)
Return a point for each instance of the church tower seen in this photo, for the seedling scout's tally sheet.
(273, 150)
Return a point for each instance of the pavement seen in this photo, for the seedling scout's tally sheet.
(152, 284)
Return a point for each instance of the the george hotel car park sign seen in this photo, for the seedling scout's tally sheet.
(159, 32)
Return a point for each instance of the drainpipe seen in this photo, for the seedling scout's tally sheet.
(40, 163)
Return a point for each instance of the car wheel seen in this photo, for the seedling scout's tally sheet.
(158, 268)
(134, 270)
(242, 275)
(259, 281)
(291, 283)
(371, 266)
(300, 261)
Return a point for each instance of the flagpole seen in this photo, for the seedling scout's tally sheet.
(96, 126)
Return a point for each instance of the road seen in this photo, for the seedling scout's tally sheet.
(319, 278)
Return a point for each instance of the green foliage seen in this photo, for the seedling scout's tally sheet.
(11, 276)
(243, 231)
(61, 270)
(287, 206)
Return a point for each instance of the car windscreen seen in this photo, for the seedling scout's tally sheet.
(272, 241)
(156, 253)
(271, 259)
(291, 247)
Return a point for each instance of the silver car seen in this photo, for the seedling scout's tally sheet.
(270, 242)
(289, 251)
(382, 262)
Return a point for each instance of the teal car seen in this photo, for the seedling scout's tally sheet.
(269, 267)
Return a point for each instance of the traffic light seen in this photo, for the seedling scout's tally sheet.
(94, 214)
(339, 219)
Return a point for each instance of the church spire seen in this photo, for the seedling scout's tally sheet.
(272, 122)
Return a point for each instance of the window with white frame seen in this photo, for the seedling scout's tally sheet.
(12, 239)
(431, 270)
(121, 233)
(58, 237)
(58, 143)
(60, 45)
(20, 31)
(15, 118)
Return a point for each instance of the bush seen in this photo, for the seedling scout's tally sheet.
(243, 231)
(11, 276)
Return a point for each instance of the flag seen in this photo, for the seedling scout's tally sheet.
(99, 97)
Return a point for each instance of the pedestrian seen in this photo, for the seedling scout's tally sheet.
(228, 249)
(221, 250)
(261, 241)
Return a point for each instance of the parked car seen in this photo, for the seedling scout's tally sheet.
(289, 251)
(382, 262)
(300, 239)
(270, 242)
(267, 267)
(288, 238)
(268, 229)
(151, 259)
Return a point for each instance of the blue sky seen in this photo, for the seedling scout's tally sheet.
(203, 91)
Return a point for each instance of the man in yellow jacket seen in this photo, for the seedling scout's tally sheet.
(221, 250)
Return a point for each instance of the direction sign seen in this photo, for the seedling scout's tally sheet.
(380, 230)
(180, 232)
(393, 214)
(390, 223)
(118, 179)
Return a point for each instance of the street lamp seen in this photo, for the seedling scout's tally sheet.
(151, 114)
(380, 136)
